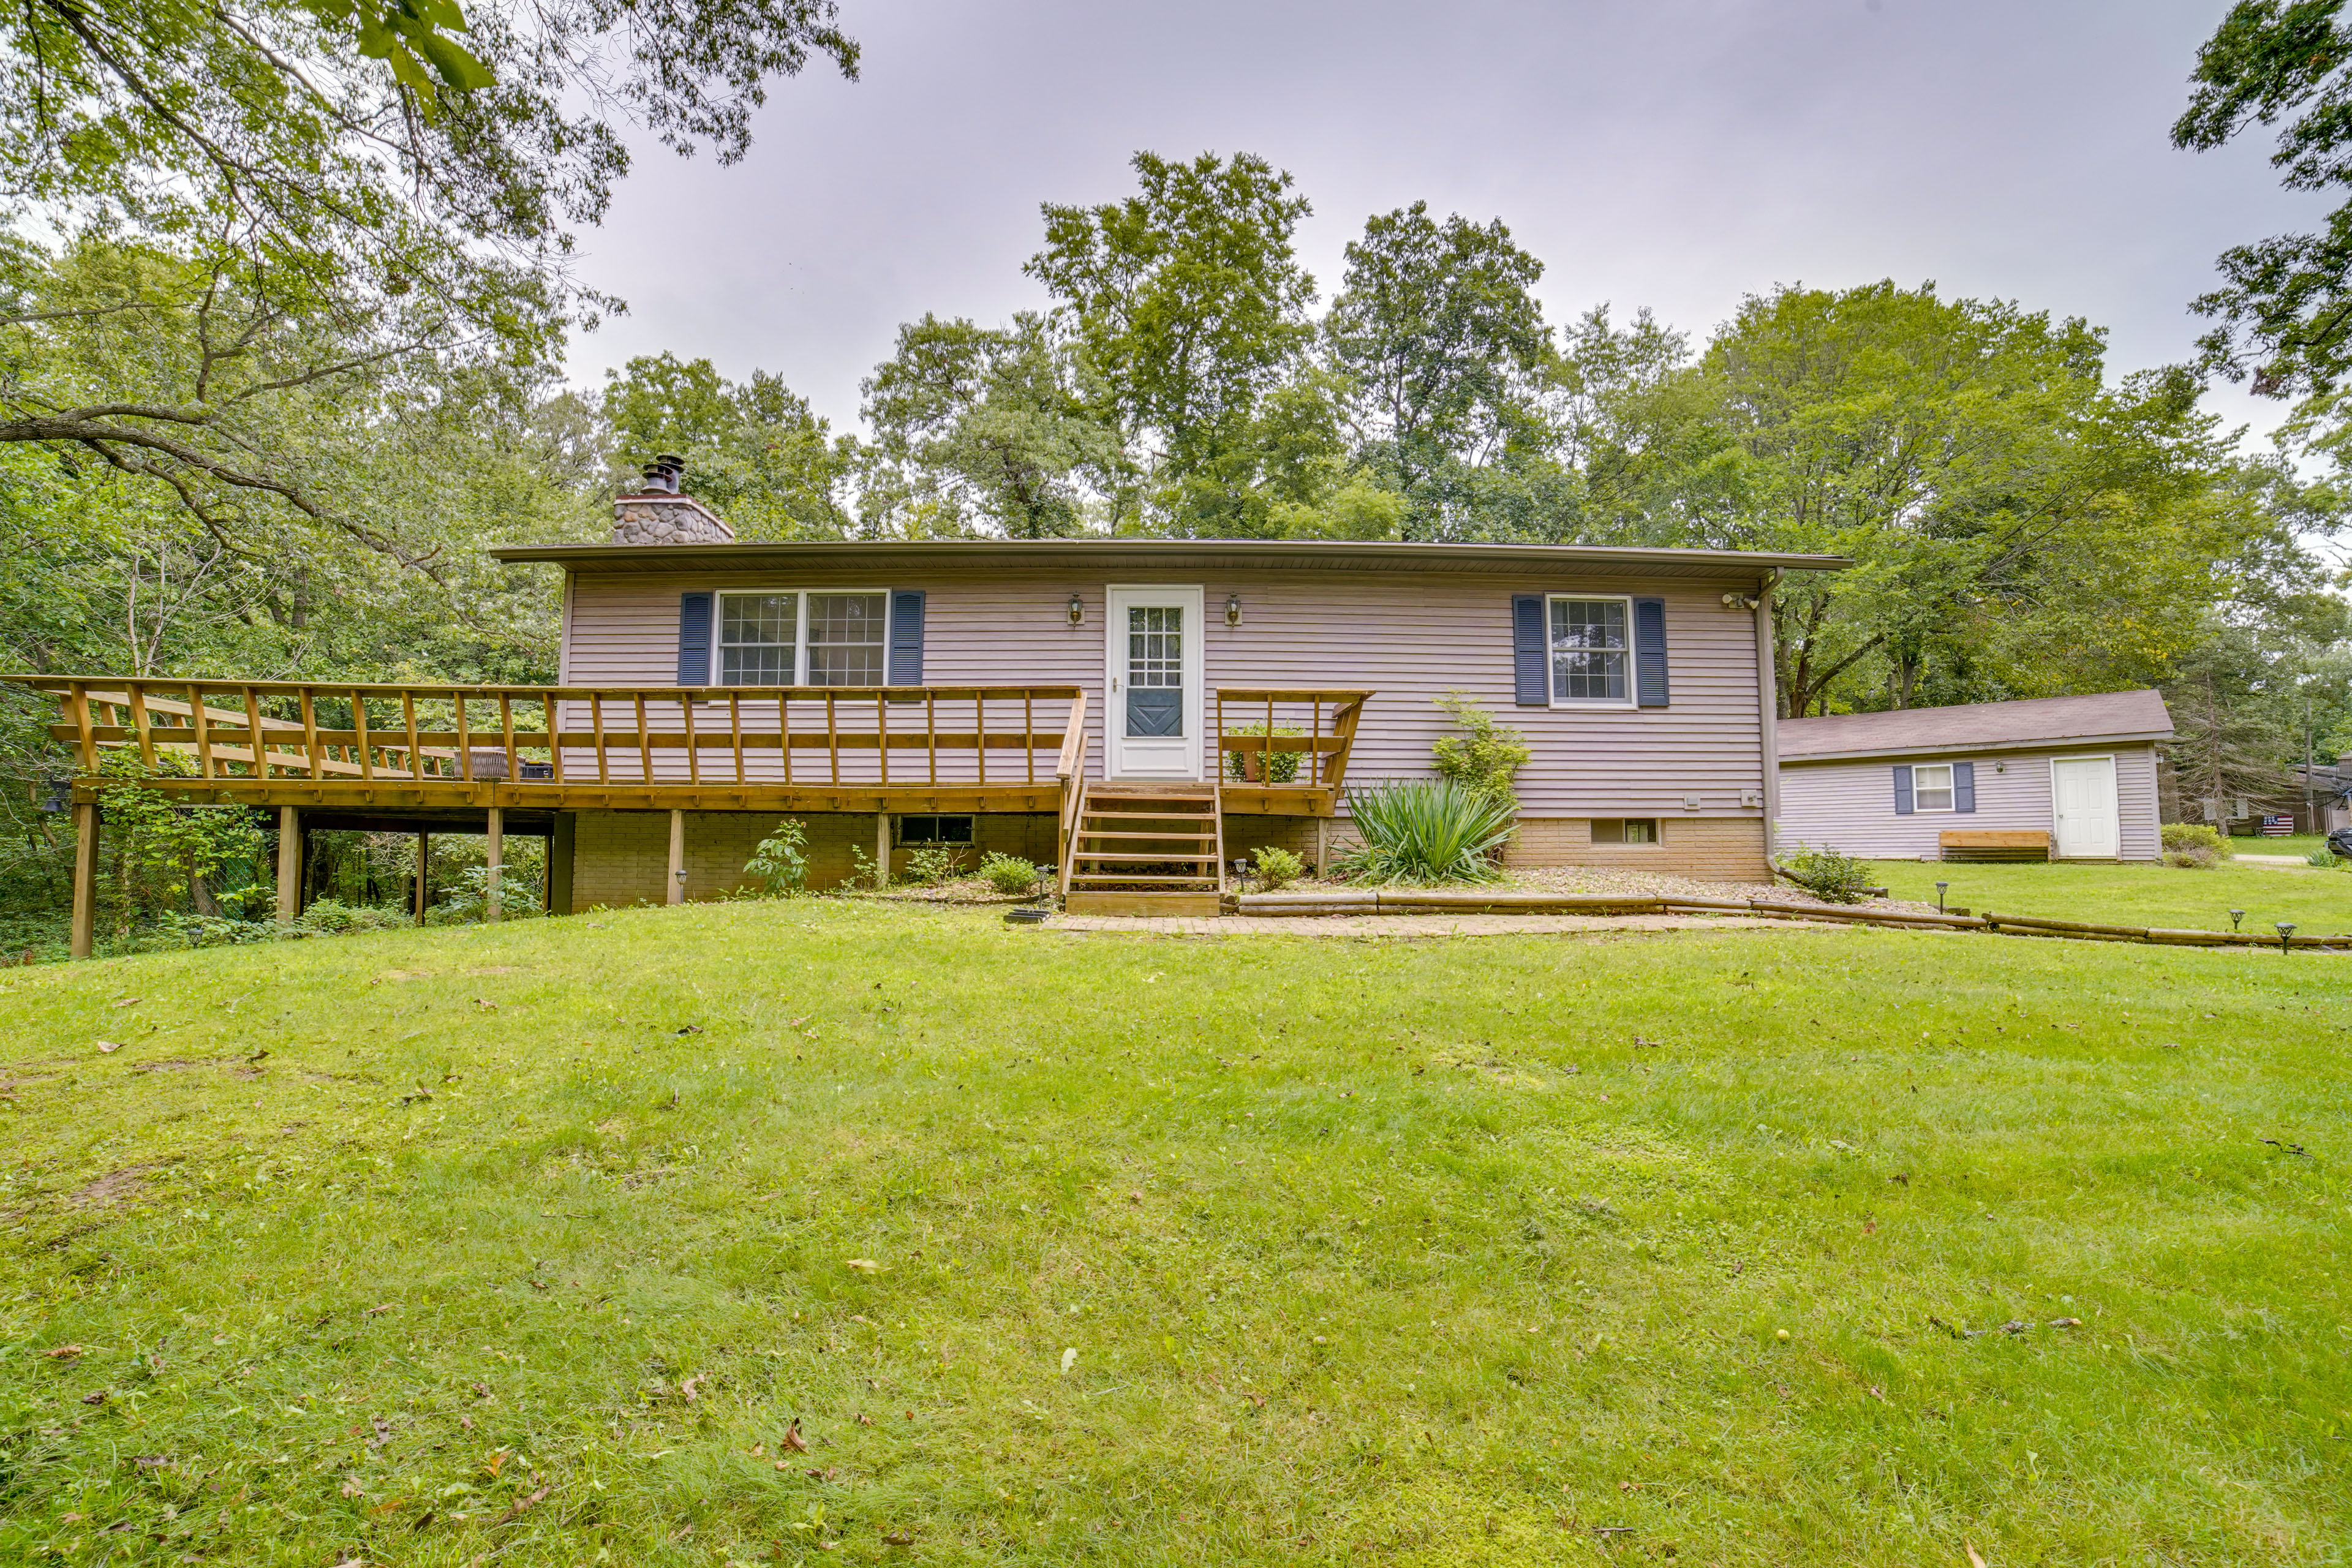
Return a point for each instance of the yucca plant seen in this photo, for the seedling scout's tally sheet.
(1432, 830)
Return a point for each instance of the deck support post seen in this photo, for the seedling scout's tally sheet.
(881, 850)
(494, 860)
(424, 863)
(289, 863)
(84, 880)
(676, 858)
(1323, 847)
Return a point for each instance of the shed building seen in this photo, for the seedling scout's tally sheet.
(2073, 778)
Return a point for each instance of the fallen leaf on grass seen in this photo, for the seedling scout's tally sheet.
(106, 1047)
(689, 1029)
(351, 1489)
(1069, 1360)
(98, 1398)
(2065, 1323)
(125, 1001)
(791, 1442)
(1975, 1561)
(690, 1385)
(63, 1352)
(824, 1475)
(899, 1538)
(864, 1419)
(520, 1505)
(374, 1311)
(865, 1265)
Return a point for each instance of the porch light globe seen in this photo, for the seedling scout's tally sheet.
(1078, 610)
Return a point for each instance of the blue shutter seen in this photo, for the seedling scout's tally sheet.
(693, 639)
(1529, 676)
(1903, 791)
(906, 638)
(1650, 653)
(1964, 787)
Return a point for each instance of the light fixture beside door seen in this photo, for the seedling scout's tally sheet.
(1233, 609)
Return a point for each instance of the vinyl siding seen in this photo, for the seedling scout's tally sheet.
(1408, 636)
(1850, 805)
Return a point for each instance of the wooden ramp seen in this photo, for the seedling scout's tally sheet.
(1147, 850)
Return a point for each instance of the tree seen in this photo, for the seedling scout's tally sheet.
(2285, 304)
(1188, 305)
(346, 169)
(1436, 327)
(756, 452)
(985, 430)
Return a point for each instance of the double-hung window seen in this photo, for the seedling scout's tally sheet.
(1931, 786)
(789, 637)
(1591, 651)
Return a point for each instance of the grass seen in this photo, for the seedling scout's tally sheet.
(2318, 902)
(531, 1246)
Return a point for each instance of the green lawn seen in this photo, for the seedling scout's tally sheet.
(529, 1246)
(2318, 902)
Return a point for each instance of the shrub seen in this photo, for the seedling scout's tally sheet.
(2193, 844)
(329, 918)
(469, 898)
(1281, 767)
(780, 862)
(1277, 869)
(2324, 858)
(1829, 876)
(933, 864)
(1486, 756)
(1432, 830)
(1010, 874)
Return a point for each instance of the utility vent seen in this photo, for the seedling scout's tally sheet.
(659, 514)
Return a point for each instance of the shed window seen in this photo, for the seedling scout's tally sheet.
(1590, 645)
(1625, 830)
(785, 638)
(1931, 786)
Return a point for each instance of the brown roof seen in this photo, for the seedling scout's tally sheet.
(1126, 554)
(1979, 726)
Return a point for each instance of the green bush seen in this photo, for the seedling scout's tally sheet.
(1829, 876)
(2193, 846)
(933, 864)
(468, 899)
(328, 918)
(1010, 874)
(780, 862)
(1277, 869)
(1486, 756)
(1432, 830)
(1281, 767)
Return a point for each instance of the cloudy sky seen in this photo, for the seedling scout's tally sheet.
(1671, 153)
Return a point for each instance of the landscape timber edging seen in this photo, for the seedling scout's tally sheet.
(1434, 900)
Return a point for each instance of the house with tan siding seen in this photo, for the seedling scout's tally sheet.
(2063, 778)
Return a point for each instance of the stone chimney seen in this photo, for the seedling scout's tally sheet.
(659, 515)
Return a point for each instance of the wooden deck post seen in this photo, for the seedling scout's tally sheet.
(424, 864)
(85, 883)
(881, 850)
(493, 855)
(676, 858)
(289, 863)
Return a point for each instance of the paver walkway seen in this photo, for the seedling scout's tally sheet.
(1424, 925)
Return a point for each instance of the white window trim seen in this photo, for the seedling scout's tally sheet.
(800, 634)
(1633, 674)
(1952, 788)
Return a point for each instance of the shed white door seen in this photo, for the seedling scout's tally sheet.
(2083, 800)
(1152, 715)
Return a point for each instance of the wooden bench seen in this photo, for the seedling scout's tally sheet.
(1994, 844)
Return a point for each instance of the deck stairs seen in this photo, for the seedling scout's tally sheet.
(1148, 849)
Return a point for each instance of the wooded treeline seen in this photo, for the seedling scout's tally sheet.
(298, 352)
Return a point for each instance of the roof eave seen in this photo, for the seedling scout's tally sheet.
(1302, 553)
(2038, 743)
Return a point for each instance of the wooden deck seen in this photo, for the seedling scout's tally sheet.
(438, 756)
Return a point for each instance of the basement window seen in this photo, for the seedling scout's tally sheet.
(934, 830)
(1624, 830)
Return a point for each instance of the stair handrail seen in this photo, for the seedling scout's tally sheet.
(1071, 770)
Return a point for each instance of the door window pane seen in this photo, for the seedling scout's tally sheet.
(756, 634)
(1587, 651)
(845, 638)
(1155, 669)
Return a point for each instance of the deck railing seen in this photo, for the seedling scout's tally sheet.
(1277, 739)
(900, 737)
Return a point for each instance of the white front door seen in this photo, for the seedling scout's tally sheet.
(1151, 726)
(2083, 801)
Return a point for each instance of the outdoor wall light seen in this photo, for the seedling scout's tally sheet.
(1077, 611)
(1233, 609)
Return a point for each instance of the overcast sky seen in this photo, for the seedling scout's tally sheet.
(1672, 153)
